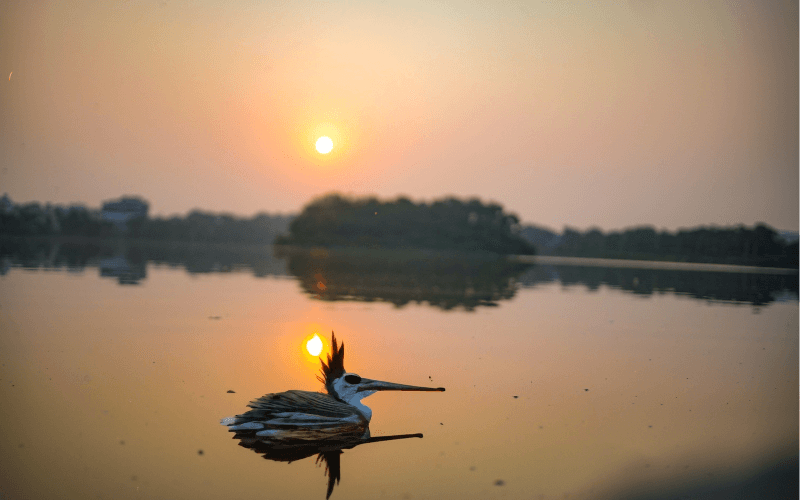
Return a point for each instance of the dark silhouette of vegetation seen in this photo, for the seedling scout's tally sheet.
(757, 246)
(34, 219)
(452, 224)
(205, 227)
(448, 224)
(543, 240)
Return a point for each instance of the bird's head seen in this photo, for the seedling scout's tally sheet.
(352, 388)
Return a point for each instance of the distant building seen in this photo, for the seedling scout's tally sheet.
(121, 211)
(6, 205)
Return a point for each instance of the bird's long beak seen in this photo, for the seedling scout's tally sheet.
(377, 385)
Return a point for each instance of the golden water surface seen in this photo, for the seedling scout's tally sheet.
(112, 391)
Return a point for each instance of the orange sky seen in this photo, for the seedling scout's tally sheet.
(666, 113)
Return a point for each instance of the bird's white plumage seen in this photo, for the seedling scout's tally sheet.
(293, 416)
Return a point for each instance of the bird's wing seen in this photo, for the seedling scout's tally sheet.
(296, 408)
(312, 403)
(297, 419)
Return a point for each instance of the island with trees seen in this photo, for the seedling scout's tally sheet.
(446, 224)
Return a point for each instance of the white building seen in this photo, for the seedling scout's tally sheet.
(6, 205)
(121, 211)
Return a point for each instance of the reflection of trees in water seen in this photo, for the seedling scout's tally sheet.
(753, 288)
(218, 258)
(127, 260)
(444, 280)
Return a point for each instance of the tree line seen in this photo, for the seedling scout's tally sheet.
(207, 227)
(759, 245)
(35, 219)
(447, 224)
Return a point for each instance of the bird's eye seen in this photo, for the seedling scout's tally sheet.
(352, 379)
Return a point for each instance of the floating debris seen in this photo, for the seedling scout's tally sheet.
(200, 452)
(587, 390)
(515, 397)
(499, 482)
(231, 391)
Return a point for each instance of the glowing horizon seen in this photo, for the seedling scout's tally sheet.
(611, 115)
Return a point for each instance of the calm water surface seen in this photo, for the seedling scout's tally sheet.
(586, 382)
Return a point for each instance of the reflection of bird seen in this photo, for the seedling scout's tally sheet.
(292, 425)
(328, 451)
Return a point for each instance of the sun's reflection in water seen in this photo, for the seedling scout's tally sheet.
(314, 345)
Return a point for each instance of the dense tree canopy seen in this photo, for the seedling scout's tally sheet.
(211, 228)
(450, 223)
(33, 219)
(759, 245)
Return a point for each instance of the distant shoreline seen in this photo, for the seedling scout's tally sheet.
(649, 264)
(400, 228)
(283, 250)
(127, 240)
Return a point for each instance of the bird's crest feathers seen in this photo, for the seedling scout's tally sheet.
(335, 366)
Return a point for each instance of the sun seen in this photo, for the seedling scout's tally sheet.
(324, 144)
(314, 345)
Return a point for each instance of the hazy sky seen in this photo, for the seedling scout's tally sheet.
(607, 114)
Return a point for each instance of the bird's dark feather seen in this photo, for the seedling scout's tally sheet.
(335, 366)
(312, 403)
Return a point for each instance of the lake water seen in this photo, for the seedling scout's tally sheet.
(562, 381)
